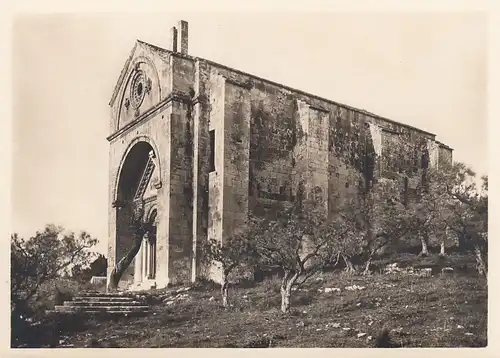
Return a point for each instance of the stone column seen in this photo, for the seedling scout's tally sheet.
(143, 261)
(433, 149)
(200, 166)
(376, 134)
(317, 147)
(153, 259)
(215, 178)
(180, 242)
(138, 266)
(149, 260)
(311, 178)
(147, 246)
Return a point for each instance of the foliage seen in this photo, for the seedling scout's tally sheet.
(36, 263)
(429, 211)
(44, 257)
(229, 254)
(301, 241)
(375, 218)
(97, 267)
(382, 218)
(448, 198)
(469, 211)
(413, 307)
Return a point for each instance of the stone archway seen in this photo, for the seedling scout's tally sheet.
(135, 174)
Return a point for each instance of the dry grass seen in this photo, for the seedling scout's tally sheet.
(435, 311)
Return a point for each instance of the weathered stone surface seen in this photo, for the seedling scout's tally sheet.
(98, 280)
(100, 303)
(273, 146)
(447, 270)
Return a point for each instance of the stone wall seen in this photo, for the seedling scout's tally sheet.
(353, 165)
(274, 127)
(183, 74)
(236, 156)
(273, 146)
(157, 70)
(155, 132)
(444, 156)
(216, 176)
(181, 193)
(302, 146)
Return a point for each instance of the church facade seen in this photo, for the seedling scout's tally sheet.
(197, 146)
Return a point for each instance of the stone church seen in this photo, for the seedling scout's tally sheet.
(197, 145)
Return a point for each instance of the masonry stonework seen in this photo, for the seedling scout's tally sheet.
(197, 146)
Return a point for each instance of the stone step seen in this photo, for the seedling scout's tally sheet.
(106, 294)
(104, 313)
(92, 309)
(85, 302)
(120, 313)
(104, 298)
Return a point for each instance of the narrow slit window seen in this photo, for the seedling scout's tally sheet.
(212, 150)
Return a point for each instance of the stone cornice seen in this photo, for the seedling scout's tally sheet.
(176, 96)
(247, 85)
(150, 199)
(199, 99)
(122, 75)
(320, 109)
(252, 78)
(442, 145)
(385, 129)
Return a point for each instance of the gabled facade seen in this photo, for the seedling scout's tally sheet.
(197, 145)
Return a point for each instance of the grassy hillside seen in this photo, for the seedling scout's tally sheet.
(444, 310)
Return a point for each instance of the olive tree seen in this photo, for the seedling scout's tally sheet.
(228, 254)
(469, 219)
(301, 240)
(44, 257)
(383, 218)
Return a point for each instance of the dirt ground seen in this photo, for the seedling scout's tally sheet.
(443, 310)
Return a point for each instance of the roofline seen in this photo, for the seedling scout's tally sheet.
(442, 145)
(362, 111)
(121, 77)
(195, 58)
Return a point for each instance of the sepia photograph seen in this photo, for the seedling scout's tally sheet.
(249, 180)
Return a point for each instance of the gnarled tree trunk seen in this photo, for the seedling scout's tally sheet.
(424, 240)
(367, 267)
(482, 269)
(125, 262)
(224, 290)
(447, 233)
(287, 283)
(372, 252)
(443, 249)
(349, 266)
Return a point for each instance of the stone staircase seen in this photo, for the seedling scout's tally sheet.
(121, 304)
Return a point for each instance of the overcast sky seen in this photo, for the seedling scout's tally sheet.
(426, 70)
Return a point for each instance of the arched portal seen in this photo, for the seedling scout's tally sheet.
(134, 180)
